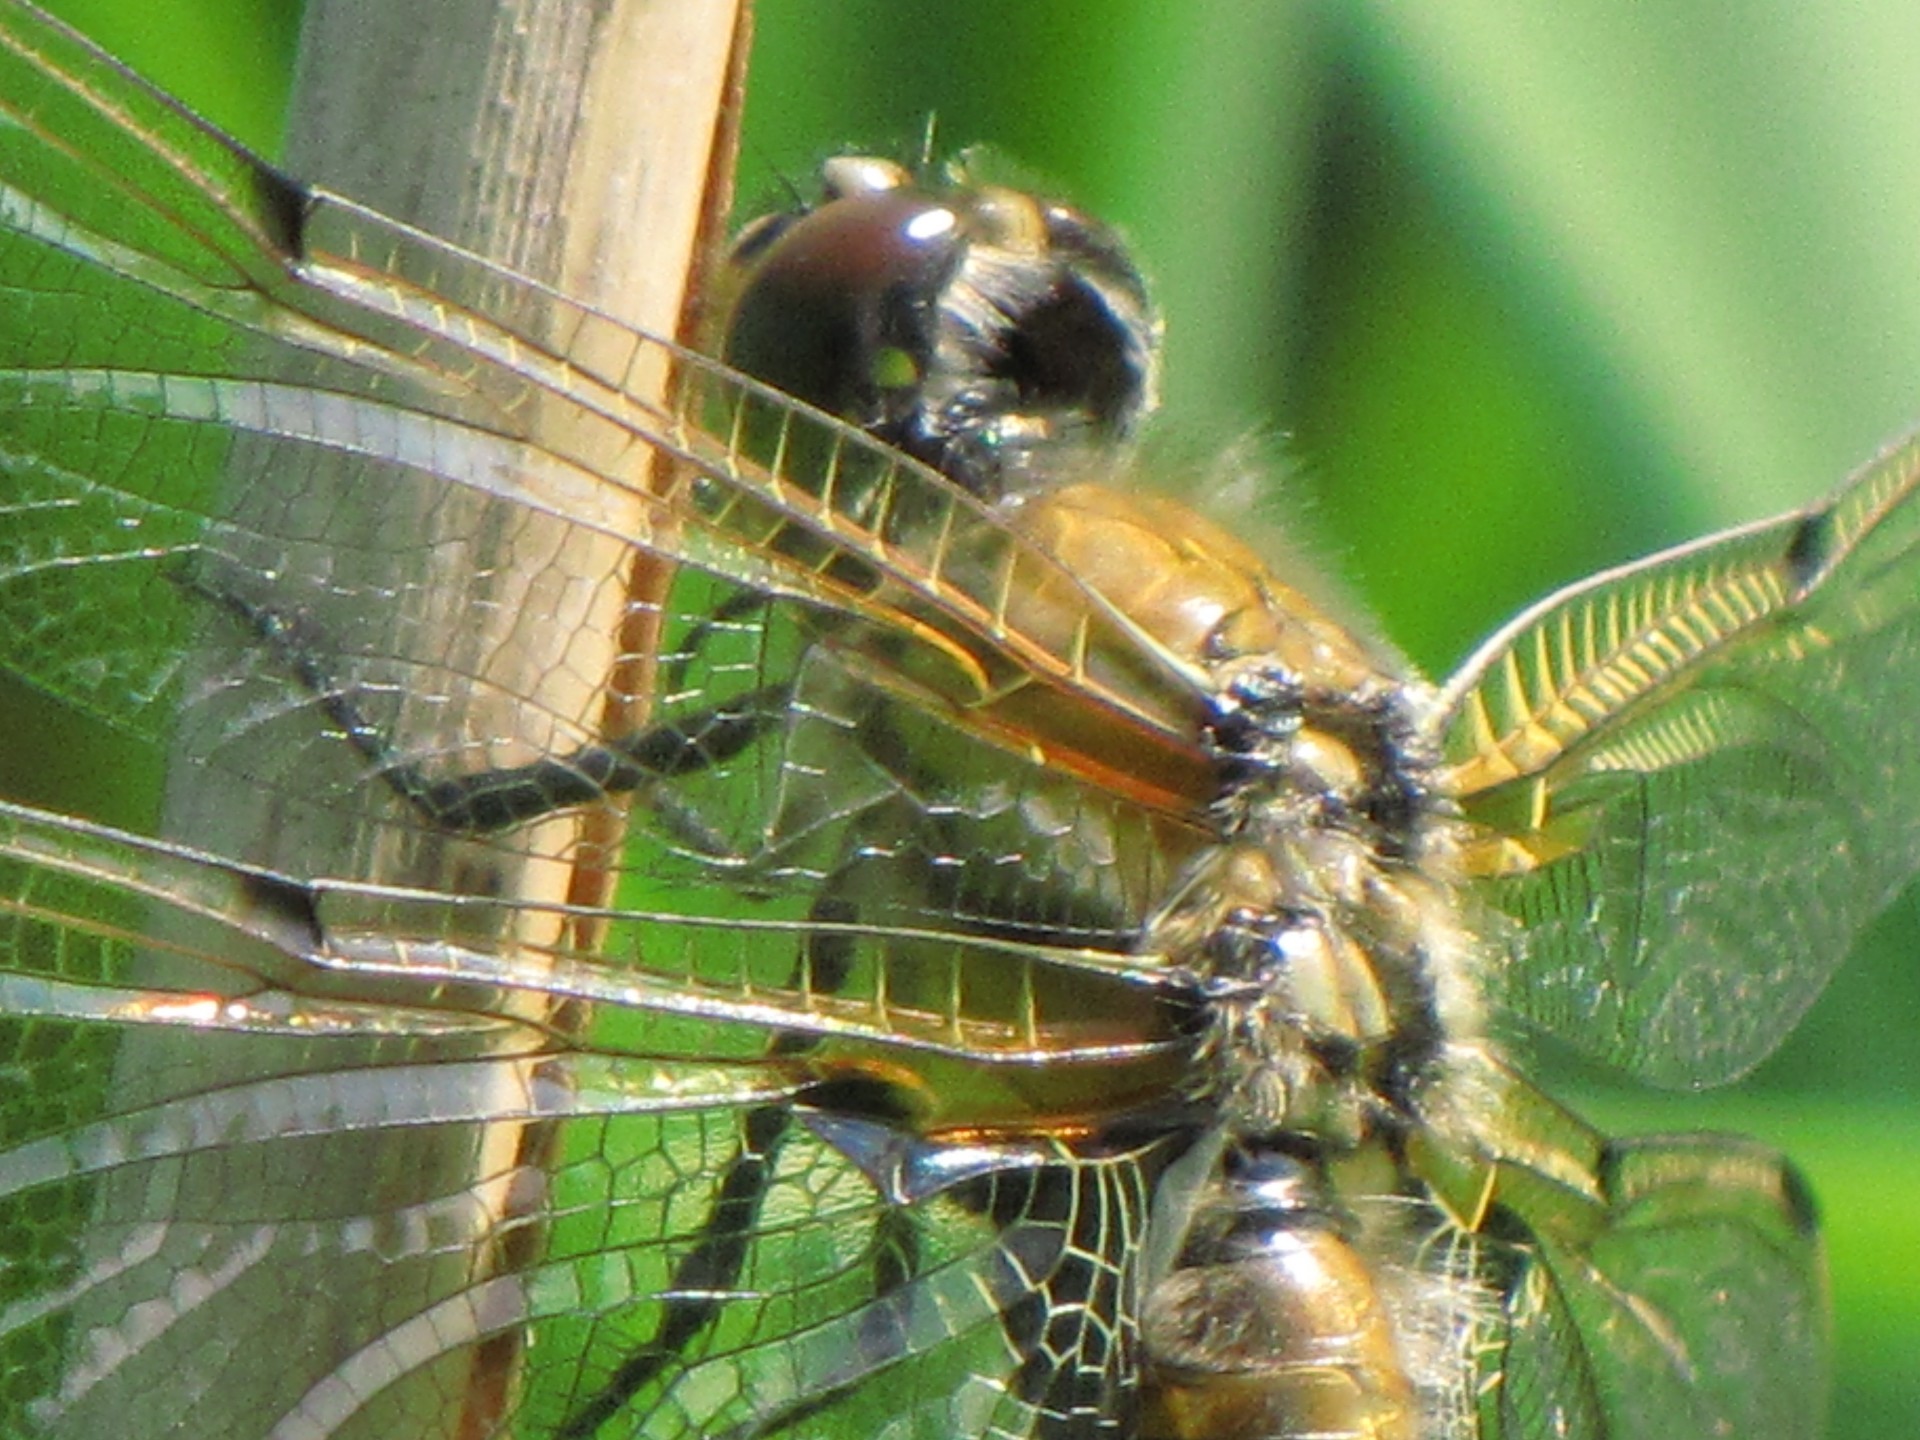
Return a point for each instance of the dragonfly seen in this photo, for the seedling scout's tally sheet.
(1059, 976)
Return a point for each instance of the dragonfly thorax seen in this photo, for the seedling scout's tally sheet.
(1314, 930)
(1328, 945)
(1331, 979)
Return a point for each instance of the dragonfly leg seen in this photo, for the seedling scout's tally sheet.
(712, 1267)
(485, 802)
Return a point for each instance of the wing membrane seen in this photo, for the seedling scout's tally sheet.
(1696, 779)
(208, 1034)
(325, 956)
(1696, 1308)
(1668, 1285)
(206, 318)
(466, 409)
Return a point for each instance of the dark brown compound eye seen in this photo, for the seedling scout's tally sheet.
(977, 328)
(841, 307)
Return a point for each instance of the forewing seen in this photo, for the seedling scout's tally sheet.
(188, 336)
(1692, 781)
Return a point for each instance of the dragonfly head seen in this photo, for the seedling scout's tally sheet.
(981, 329)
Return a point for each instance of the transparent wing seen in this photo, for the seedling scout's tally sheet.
(191, 338)
(603, 1191)
(1695, 779)
(712, 1258)
(1662, 1285)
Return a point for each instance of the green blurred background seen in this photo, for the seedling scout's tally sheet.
(1499, 293)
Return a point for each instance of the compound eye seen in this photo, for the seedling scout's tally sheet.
(984, 331)
(840, 306)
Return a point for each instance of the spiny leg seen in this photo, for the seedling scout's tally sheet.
(713, 1266)
(485, 802)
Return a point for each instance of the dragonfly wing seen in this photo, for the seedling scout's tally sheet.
(192, 338)
(1662, 1285)
(1694, 780)
(639, 1215)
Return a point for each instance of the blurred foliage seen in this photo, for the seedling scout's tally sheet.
(1505, 293)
